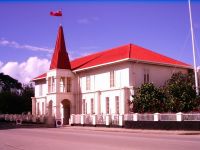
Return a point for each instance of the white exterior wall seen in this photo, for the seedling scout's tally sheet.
(100, 77)
(158, 74)
(41, 88)
(100, 82)
(127, 76)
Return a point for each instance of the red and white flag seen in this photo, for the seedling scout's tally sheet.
(56, 13)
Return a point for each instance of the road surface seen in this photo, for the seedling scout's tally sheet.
(79, 139)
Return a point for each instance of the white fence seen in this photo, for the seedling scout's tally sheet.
(23, 118)
(118, 120)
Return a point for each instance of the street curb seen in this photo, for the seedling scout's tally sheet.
(124, 130)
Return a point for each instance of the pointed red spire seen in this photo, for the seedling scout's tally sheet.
(60, 59)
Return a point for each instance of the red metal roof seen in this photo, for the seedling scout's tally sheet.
(60, 59)
(42, 76)
(127, 52)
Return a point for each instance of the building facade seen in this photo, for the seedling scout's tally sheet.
(100, 83)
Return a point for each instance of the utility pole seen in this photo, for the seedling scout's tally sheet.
(193, 49)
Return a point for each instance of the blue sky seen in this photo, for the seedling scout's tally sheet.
(28, 31)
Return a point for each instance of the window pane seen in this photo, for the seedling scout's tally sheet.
(42, 108)
(38, 108)
(83, 106)
(62, 84)
(92, 106)
(53, 85)
(117, 104)
(49, 85)
(112, 79)
(107, 105)
(87, 82)
(69, 84)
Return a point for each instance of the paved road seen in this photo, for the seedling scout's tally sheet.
(78, 139)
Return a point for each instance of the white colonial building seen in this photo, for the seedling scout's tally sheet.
(100, 83)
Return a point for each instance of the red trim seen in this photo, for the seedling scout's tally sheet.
(42, 76)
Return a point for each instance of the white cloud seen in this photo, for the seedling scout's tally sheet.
(15, 44)
(27, 70)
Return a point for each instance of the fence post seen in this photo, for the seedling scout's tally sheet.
(121, 120)
(82, 119)
(34, 119)
(135, 117)
(179, 116)
(156, 116)
(107, 119)
(72, 122)
(94, 120)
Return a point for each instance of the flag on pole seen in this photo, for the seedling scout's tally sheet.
(56, 13)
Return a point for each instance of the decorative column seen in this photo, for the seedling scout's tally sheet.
(123, 100)
(33, 106)
(58, 109)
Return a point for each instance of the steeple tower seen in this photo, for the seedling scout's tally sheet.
(60, 83)
(60, 59)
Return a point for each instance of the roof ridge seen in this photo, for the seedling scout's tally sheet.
(100, 52)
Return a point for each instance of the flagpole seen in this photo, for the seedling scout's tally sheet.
(193, 49)
(61, 18)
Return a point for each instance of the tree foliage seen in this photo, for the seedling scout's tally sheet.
(148, 99)
(14, 98)
(177, 95)
(181, 93)
(7, 83)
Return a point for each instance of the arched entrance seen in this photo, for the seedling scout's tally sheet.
(66, 111)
